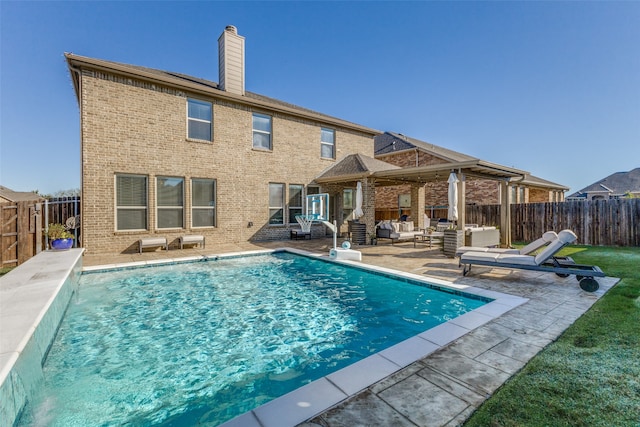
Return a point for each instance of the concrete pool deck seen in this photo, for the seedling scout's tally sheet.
(444, 388)
(440, 389)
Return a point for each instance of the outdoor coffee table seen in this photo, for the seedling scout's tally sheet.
(434, 236)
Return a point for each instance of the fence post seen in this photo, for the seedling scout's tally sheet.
(37, 217)
(46, 224)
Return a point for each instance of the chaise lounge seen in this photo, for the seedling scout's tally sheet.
(546, 238)
(545, 261)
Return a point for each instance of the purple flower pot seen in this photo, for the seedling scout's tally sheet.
(61, 244)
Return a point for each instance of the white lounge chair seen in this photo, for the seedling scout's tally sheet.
(544, 261)
(546, 238)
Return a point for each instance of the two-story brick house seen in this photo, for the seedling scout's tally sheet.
(165, 154)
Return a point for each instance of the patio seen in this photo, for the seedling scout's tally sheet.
(444, 388)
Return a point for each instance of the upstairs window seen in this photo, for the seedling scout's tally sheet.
(203, 203)
(327, 143)
(170, 202)
(276, 204)
(131, 202)
(199, 120)
(295, 202)
(261, 131)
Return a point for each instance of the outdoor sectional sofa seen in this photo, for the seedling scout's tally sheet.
(396, 230)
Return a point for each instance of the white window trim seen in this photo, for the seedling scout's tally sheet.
(158, 208)
(214, 208)
(300, 208)
(270, 133)
(116, 208)
(282, 206)
(210, 121)
(332, 145)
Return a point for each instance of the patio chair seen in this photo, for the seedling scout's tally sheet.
(545, 261)
(546, 238)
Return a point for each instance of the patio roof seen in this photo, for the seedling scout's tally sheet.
(353, 167)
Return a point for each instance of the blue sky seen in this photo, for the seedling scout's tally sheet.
(552, 88)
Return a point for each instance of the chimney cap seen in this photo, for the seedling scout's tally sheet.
(232, 29)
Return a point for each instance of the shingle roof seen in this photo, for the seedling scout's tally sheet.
(18, 196)
(618, 183)
(535, 181)
(355, 165)
(391, 142)
(198, 84)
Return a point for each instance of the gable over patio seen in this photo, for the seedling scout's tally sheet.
(376, 173)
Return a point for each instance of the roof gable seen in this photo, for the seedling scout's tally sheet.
(355, 166)
(391, 142)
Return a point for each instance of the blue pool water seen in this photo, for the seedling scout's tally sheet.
(203, 342)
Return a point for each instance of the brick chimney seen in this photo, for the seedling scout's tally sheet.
(231, 61)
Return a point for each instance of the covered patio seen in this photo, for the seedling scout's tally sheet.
(373, 173)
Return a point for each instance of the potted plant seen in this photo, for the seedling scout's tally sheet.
(59, 237)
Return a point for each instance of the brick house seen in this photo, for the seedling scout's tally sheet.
(165, 154)
(403, 151)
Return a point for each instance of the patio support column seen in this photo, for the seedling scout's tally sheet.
(505, 214)
(462, 212)
(417, 205)
(369, 204)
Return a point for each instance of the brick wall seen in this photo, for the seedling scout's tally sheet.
(478, 191)
(538, 195)
(140, 128)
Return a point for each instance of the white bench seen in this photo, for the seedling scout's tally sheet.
(192, 239)
(153, 242)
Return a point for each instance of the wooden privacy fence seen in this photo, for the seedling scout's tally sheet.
(613, 222)
(21, 236)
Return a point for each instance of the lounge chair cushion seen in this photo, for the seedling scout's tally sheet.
(564, 238)
(464, 249)
(516, 259)
(480, 256)
(547, 237)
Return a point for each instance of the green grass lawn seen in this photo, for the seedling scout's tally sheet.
(590, 376)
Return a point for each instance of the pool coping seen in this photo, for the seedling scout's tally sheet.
(33, 299)
(322, 394)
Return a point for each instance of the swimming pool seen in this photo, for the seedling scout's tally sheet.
(172, 348)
